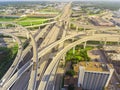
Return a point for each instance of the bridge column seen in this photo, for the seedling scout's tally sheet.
(4, 25)
(93, 32)
(73, 50)
(118, 41)
(118, 30)
(73, 39)
(15, 28)
(19, 29)
(27, 34)
(105, 42)
(30, 50)
(101, 41)
(63, 59)
(31, 23)
(85, 43)
(14, 40)
(66, 26)
(84, 29)
(39, 28)
(77, 28)
(69, 24)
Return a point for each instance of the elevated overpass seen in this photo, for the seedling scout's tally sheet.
(49, 74)
(35, 57)
(49, 42)
(14, 65)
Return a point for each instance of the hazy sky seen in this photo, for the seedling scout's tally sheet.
(59, 0)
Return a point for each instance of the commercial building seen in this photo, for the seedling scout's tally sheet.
(94, 75)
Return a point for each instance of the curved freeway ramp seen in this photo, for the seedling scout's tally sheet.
(16, 76)
(35, 54)
(13, 67)
(50, 71)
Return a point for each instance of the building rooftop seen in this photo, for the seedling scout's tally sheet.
(114, 56)
(112, 48)
(92, 66)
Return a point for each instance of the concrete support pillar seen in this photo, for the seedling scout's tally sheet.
(69, 25)
(105, 42)
(59, 22)
(14, 40)
(84, 29)
(77, 28)
(15, 28)
(30, 50)
(39, 28)
(19, 29)
(63, 59)
(73, 39)
(4, 26)
(27, 34)
(66, 26)
(17, 68)
(85, 43)
(64, 23)
(31, 23)
(118, 31)
(93, 32)
(118, 41)
(101, 42)
(73, 50)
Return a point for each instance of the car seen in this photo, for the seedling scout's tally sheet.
(117, 83)
(13, 66)
(1, 82)
(38, 75)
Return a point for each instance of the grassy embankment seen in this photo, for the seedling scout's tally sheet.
(26, 21)
(7, 56)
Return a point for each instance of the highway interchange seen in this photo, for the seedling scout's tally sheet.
(40, 58)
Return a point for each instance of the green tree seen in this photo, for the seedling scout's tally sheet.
(70, 73)
(71, 87)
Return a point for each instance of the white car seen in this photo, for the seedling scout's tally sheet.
(1, 82)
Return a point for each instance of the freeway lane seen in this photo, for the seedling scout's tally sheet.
(49, 47)
(16, 76)
(101, 28)
(13, 67)
(35, 54)
(51, 37)
(28, 50)
(44, 49)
